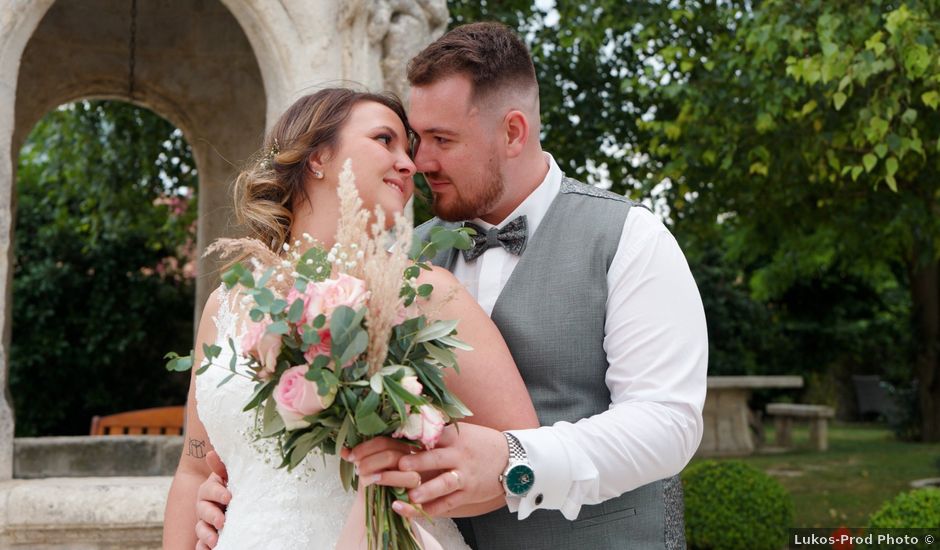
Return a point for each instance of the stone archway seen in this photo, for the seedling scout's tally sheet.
(221, 71)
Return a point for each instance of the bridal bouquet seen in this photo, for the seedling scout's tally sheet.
(338, 349)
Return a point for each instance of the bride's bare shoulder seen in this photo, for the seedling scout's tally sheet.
(438, 276)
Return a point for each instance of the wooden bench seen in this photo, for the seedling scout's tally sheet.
(156, 421)
(818, 416)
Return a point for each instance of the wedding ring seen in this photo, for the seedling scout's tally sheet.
(456, 475)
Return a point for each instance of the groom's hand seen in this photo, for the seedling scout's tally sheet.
(212, 498)
(471, 460)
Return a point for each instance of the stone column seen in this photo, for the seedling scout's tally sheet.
(18, 20)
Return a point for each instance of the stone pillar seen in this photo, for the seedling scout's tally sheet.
(18, 20)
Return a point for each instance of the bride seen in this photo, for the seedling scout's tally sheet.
(291, 191)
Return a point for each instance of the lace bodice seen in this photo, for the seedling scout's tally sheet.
(271, 507)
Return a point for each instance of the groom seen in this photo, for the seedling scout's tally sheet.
(595, 301)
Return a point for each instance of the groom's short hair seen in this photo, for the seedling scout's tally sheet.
(490, 54)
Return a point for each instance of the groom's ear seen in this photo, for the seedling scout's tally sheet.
(516, 128)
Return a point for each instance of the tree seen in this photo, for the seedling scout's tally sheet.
(812, 133)
(102, 283)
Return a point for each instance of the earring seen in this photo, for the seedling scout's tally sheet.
(318, 174)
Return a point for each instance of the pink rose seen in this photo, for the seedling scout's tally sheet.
(297, 397)
(262, 346)
(343, 291)
(411, 385)
(425, 425)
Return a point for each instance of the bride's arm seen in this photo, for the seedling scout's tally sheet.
(179, 525)
(489, 382)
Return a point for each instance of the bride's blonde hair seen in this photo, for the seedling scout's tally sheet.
(266, 189)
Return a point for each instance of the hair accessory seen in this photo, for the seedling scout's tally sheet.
(268, 159)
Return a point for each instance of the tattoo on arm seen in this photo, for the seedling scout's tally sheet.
(196, 448)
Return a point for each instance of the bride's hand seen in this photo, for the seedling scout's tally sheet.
(377, 462)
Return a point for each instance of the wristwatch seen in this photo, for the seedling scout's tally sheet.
(518, 476)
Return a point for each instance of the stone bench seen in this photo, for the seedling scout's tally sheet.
(817, 415)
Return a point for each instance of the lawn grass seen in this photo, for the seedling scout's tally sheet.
(864, 466)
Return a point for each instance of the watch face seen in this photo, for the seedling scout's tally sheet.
(520, 479)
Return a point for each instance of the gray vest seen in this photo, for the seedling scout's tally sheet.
(551, 313)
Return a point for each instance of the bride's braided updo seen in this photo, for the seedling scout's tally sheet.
(266, 189)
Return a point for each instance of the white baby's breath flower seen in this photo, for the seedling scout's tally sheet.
(286, 247)
(320, 269)
(309, 262)
(280, 277)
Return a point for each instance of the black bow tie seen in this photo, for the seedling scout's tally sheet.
(512, 237)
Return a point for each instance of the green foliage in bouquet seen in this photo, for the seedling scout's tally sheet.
(730, 505)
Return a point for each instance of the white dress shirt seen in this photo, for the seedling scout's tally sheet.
(657, 350)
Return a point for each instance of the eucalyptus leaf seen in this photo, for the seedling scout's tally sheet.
(438, 329)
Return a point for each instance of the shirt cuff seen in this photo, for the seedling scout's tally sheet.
(557, 480)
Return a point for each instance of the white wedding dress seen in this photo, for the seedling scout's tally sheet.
(304, 509)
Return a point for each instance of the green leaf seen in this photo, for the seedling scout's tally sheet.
(455, 342)
(347, 475)
(225, 380)
(344, 430)
(345, 323)
(271, 421)
(443, 238)
(891, 166)
(909, 117)
(320, 362)
(262, 391)
(425, 290)
(304, 445)
(892, 183)
(403, 394)
(808, 107)
(881, 150)
(436, 330)
(443, 356)
(238, 274)
(278, 327)
(869, 160)
(856, 172)
(375, 382)
(278, 306)
(353, 349)
(296, 312)
(838, 100)
(367, 405)
(264, 298)
(370, 424)
(931, 99)
(178, 363)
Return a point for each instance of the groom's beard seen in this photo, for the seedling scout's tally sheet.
(469, 201)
